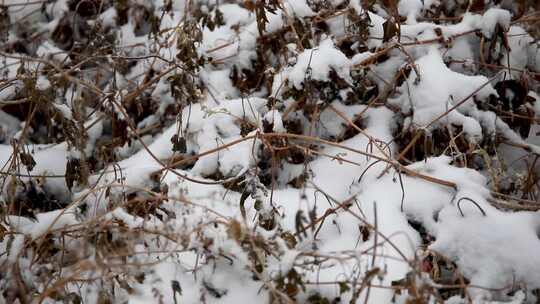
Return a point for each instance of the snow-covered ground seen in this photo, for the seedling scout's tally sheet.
(279, 158)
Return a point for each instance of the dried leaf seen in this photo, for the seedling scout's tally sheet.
(179, 144)
(27, 160)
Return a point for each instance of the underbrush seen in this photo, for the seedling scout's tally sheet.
(269, 151)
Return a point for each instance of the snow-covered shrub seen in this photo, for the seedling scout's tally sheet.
(280, 151)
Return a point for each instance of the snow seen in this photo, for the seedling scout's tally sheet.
(49, 161)
(219, 84)
(48, 50)
(159, 219)
(316, 63)
(466, 239)
(520, 55)
(410, 8)
(45, 223)
(274, 118)
(492, 17)
(19, 9)
(438, 89)
(298, 8)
